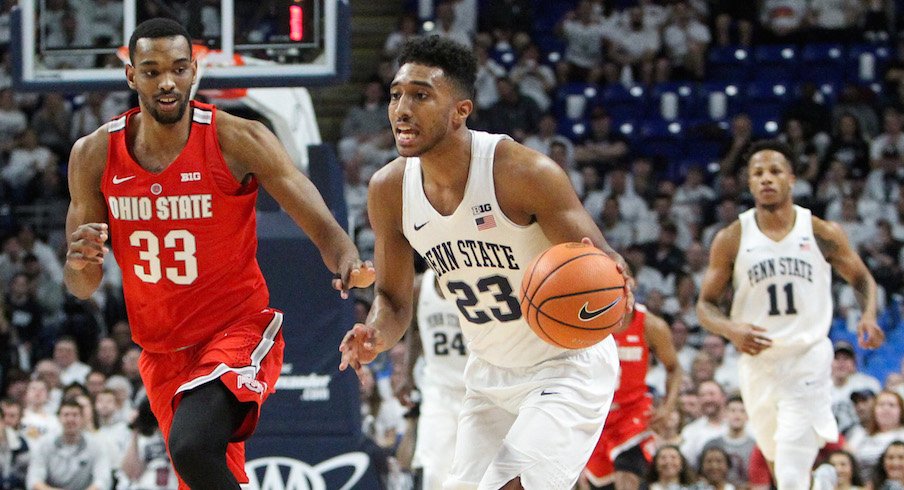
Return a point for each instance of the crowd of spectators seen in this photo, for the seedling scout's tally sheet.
(58, 353)
(662, 213)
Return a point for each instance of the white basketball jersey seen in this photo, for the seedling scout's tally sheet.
(785, 286)
(479, 256)
(445, 351)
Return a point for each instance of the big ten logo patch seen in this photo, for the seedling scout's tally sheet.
(245, 381)
(480, 209)
(191, 176)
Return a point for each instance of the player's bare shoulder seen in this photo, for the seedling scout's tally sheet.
(88, 157)
(726, 243)
(241, 139)
(385, 190)
(830, 237)
(520, 166)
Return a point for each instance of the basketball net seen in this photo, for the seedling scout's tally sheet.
(205, 57)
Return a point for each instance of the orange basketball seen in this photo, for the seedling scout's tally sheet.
(572, 295)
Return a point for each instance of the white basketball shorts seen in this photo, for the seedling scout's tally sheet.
(787, 392)
(539, 422)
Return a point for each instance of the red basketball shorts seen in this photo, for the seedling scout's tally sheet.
(246, 357)
(627, 426)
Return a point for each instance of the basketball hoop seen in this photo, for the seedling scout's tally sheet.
(205, 57)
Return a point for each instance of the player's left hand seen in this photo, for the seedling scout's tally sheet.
(354, 274)
(869, 334)
(358, 347)
(622, 267)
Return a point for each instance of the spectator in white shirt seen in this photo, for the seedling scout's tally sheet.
(65, 354)
(635, 49)
(38, 418)
(12, 120)
(445, 25)
(71, 36)
(585, 33)
(891, 135)
(834, 20)
(710, 425)
(27, 160)
(534, 79)
(783, 20)
(887, 426)
(686, 40)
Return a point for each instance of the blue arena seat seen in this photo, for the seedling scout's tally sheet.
(775, 63)
(729, 64)
(686, 93)
(867, 62)
(623, 102)
(822, 63)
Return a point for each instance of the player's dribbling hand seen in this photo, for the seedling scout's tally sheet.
(749, 339)
(355, 274)
(358, 347)
(86, 246)
(622, 268)
(869, 334)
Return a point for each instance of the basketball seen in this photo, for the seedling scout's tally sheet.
(572, 295)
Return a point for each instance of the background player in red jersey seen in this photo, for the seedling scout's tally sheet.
(625, 448)
(173, 184)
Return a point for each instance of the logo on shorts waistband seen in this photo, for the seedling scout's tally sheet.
(245, 381)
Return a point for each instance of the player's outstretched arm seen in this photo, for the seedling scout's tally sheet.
(536, 187)
(86, 220)
(659, 336)
(249, 145)
(390, 314)
(746, 338)
(837, 250)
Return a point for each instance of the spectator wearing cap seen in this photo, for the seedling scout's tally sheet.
(846, 380)
(886, 427)
(864, 401)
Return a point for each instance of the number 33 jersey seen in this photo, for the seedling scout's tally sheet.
(784, 286)
(185, 238)
(479, 256)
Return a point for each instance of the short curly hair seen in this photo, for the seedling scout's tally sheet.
(457, 61)
(774, 145)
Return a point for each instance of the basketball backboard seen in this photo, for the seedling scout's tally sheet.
(260, 43)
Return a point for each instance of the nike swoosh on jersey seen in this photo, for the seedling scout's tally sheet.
(419, 226)
(118, 180)
(586, 315)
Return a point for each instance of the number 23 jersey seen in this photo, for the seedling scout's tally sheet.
(185, 238)
(479, 257)
(784, 286)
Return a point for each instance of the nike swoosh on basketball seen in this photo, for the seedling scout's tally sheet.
(419, 226)
(586, 315)
(120, 180)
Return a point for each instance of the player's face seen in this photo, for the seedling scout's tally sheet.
(770, 179)
(423, 108)
(162, 74)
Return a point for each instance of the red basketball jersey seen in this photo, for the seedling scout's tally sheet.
(185, 238)
(634, 354)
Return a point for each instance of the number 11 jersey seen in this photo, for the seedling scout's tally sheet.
(783, 286)
(185, 238)
(479, 256)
